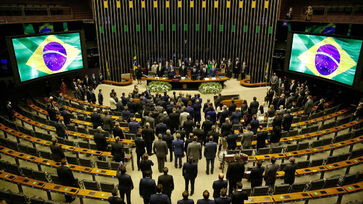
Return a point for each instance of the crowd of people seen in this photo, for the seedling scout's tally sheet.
(199, 69)
(172, 125)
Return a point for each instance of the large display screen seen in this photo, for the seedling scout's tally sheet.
(324, 56)
(43, 55)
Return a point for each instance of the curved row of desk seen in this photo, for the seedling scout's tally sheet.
(85, 193)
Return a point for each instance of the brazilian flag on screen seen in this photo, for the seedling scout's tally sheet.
(327, 57)
(39, 56)
(46, 28)
(324, 29)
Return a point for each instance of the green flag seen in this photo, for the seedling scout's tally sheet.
(65, 26)
(28, 29)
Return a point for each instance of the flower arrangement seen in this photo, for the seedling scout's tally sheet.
(159, 86)
(210, 88)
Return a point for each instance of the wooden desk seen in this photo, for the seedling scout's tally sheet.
(186, 83)
(260, 199)
(29, 182)
(354, 187)
(327, 192)
(7, 176)
(310, 170)
(103, 172)
(61, 189)
(93, 194)
(291, 197)
(70, 98)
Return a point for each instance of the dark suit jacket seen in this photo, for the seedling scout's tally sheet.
(189, 201)
(115, 200)
(226, 129)
(57, 152)
(254, 107)
(261, 139)
(232, 141)
(117, 131)
(287, 122)
(100, 141)
(222, 200)
(117, 151)
(60, 129)
(160, 148)
(178, 146)
(159, 199)
(217, 186)
(190, 170)
(65, 175)
(256, 176)
(140, 145)
(125, 182)
(147, 187)
(203, 201)
(168, 183)
(66, 117)
(236, 171)
(289, 170)
(238, 197)
(174, 119)
(148, 135)
(210, 150)
(96, 120)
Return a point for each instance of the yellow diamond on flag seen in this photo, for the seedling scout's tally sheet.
(309, 58)
(52, 56)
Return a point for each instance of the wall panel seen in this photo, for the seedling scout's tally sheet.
(169, 29)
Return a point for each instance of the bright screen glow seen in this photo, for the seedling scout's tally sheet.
(39, 56)
(327, 57)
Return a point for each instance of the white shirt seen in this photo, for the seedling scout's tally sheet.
(112, 104)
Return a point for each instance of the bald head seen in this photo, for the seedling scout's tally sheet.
(221, 176)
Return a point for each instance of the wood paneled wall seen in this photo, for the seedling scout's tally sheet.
(167, 29)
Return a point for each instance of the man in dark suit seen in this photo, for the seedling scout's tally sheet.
(254, 124)
(205, 199)
(174, 120)
(140, 149)
(289, 170)
(134, 126)
(308, 108)
(107, 121)
(185, 199)
(159, 198)
(60, 129)
(147, 187)
(96, 119)
(114, 199)
(239, 196)
(178, 146)
(149, 137)
(125, 184)
(277, 121)
(117, 150)
(210, 151)
(125, 114)
(167, 182)
(57, 151)
(190, 172)
(52, 113)
(218, 185)
(161, 150)
(223, 199)
(232, 141)
(261, 138)
(236, 116)
(207, 125)
(66, 116)
(100, 140)
(117, 131)
(226, 128)
(168, 138)
(235, 172)
(188, 125)
(100, 97)
(256, 175)
(66, 177)
(160, 128)
(270, 173)
(286, 124)
(254, 106)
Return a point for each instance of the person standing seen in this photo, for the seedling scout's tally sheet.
(239, 196)
(168, 138)
(286, 124)
(254, 106)
(159, 197)
(210, 151)
(256, 175)
(235, 173)
(125, 184)
(96, 119)
(60, 129)
(149, 137)
(117, 150)
(247, 138)
(140, 149)
(178, 146)
(114, 199)
(205, 199)
(57, 151)
(185, 199)
(10, 110)
(100, 97)
(261, 138)
(107, 121)
(308, 108)
(117, 131)
(289, 170)
(218, 185)
(167, 182)
(223, 199)
(66, 177)
(270, 173)
(161, 150)
(145, 165)
(147, 187)
(194, 150)
(100, 140)
(190, 172)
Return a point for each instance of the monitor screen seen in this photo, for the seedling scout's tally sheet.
(332, 58)
(44, 55)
